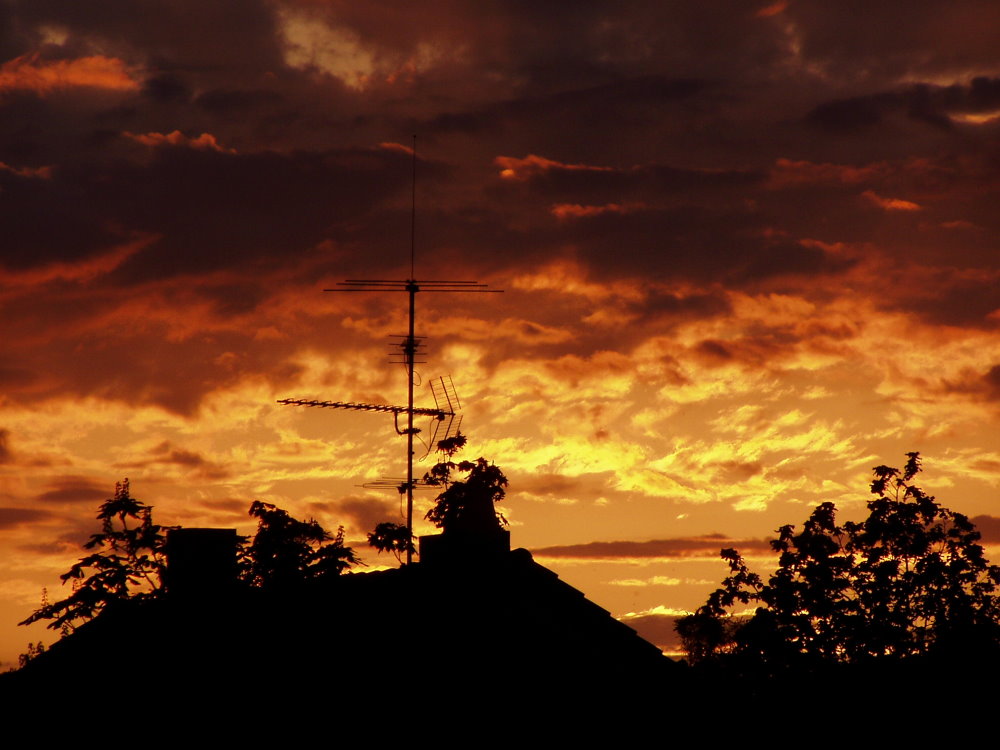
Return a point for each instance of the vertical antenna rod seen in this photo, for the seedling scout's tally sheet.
(411, 343)
(409, 347)
(411, 352)
(413, 211)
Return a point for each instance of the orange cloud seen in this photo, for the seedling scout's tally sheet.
(177, 138)
(28, 73)
(577, 211)
(708, 545)
(772, 10)
(532, 166)
(977, 118)
(393, 146)
(890, 204)
(569, 277)
(39, 172)
(79, 271)
(788, 173)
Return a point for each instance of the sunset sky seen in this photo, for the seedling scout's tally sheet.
(749, 250)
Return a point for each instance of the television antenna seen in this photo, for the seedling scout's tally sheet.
(446, 400)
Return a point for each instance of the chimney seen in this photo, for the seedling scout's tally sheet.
(465, 547)
(200, 562)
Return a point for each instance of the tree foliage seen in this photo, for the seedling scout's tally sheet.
(286, 552)
(127, 562)
(128, 558)
(469, 503)
(392, 537)
(910, 579)
(463, 504)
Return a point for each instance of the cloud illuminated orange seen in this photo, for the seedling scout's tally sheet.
(703, 546)
(890, 204)
(38, 172)
(772, 10)
(790, 173)
(513, 168)
(177, 138)
(30, 73)
(575, 210)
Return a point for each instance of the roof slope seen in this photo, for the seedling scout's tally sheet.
(503, 631)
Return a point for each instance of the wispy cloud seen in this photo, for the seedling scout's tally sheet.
(703, 546)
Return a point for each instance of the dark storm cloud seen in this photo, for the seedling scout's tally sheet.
(933, 105)
(981, 386)
(954, 302)
(167, 454)
(556, 484)
(47, 220)
(230, 102)
(74, 489)
(992, 381)
(5, 455)
(657, 629)
(175, 375)
(228, 506)
(65, 545)
(598, 85)
(988, 527)
(699, 243)
(166, 87)
(208, 209)
(13, 517)
(762, 345)
(223, 512)
(595, 184)
(664, 307)
(703, 546)
(621, 103)
(227, 56)
(551, 43)
(215, 210)
(363, 513)
(179, 34)
(850, 38)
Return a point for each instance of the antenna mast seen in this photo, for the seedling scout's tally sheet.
(409, 346)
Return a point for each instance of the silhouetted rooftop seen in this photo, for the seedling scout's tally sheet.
(501, 628)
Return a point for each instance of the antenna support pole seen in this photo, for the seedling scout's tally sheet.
(410, 346)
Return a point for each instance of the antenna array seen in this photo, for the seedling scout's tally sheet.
(445, 415)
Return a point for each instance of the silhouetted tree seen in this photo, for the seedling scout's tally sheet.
(286, 551)
(467, 503)
(911, 579)
(470, 503)
(127, 562)
(392, 537)
(34, 651)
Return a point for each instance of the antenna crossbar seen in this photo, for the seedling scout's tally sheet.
(388, 408)
(412, 286)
